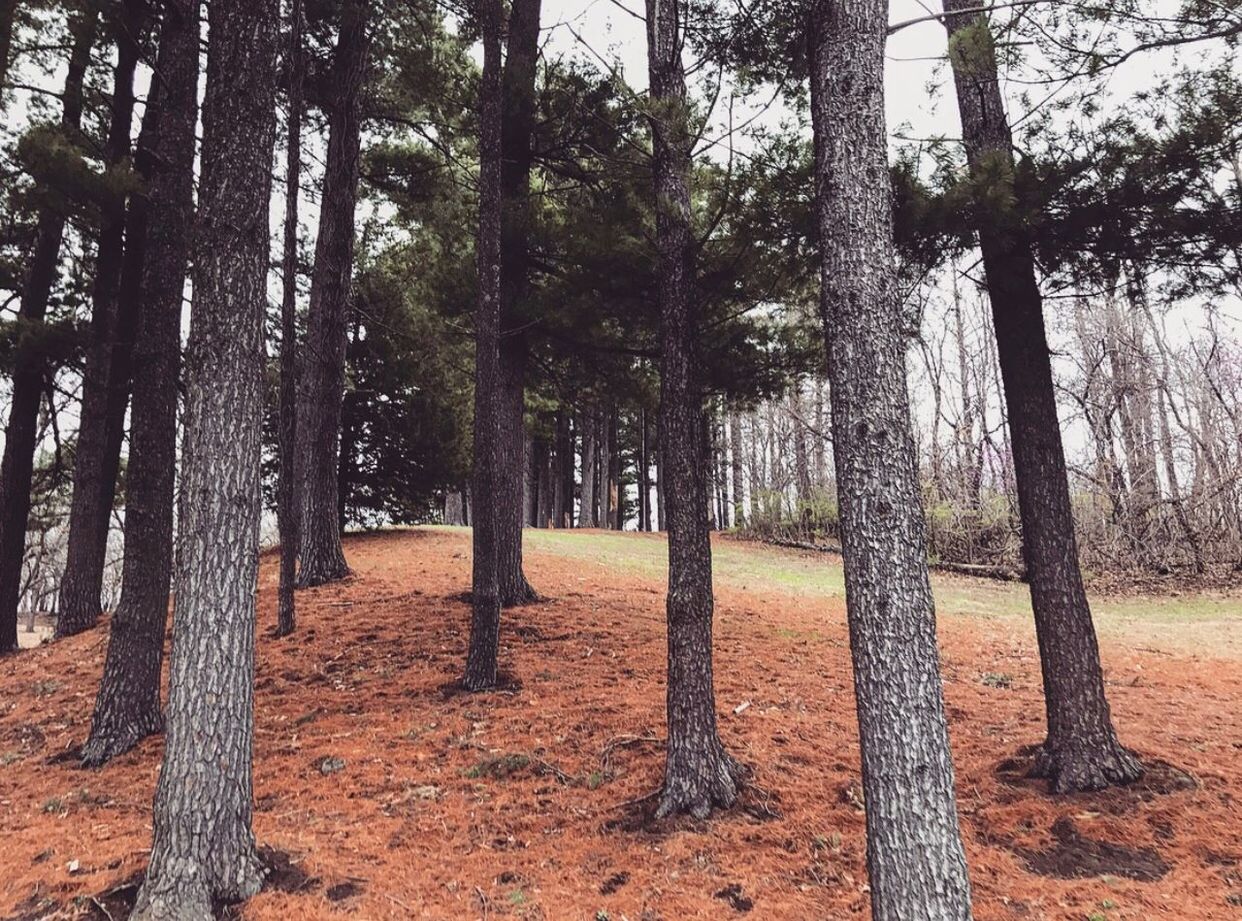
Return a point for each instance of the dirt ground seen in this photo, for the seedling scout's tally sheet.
(382, 794)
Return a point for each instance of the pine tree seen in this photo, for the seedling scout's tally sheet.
(1081, 751)
(323, 374)
(127, 707)
(698, 774)
(915, 858)
(203, 848)
(481, 658)
(16, 469)
(106, 380)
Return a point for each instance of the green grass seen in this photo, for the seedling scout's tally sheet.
(755, 567)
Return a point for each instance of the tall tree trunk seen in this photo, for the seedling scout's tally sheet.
(287, 505)
(736, 450)
(481, 658)
(127, 707)
(587, 509)
(698, 774)
(8, 26)
(1081, 751)
(203, 849)
(562, 493)
(659, 484)
(323, 373)
(644, 473)
(615, 463)
(915, 858)
(606, 447)
(105, 383)
(517, 123)
(21, 435)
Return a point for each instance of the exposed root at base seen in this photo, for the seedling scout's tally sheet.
(104, 745)
(1082, 771)
(710, 781)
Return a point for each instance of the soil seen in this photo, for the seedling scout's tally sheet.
(380, 792)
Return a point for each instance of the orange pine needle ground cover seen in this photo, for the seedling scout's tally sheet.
(520, 804)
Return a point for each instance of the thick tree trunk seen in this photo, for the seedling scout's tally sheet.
(127, 707)
(915, 859)
(698, 774)
(323, 373)
(517, 123)
(455, 507)
(481, 658)
(16, 469)
(587, 509)
(1081, 751)
(203, 849)
(514, 461)
(105, 383)
(289, 520)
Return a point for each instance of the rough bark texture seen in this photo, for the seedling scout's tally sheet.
(288, 519)
(481, 664)
(698, 774)
(16, 469)
(127, 707)
(323, 373)
(915, 859)
(105, 382)
(1081, 751)
(517, 123)
(588, 510)
(203, 848)
(8, 25)
(736, 451)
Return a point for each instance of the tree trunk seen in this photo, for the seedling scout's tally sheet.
(644, 474)
(736, 451)
(698, 774)
(323, 374)
(8, 26)
(203, 849)
(1081, 751)
(587, 509)
(455, 507)
(127, 707)
(510, 485)
(606, 448)
(105, 383)
(915, 859)
(615, 463)
(287, 504)
(562, 497)
(517, 123)
(21, 436)
(481, 659)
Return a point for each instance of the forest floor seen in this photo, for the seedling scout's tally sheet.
(383, 793)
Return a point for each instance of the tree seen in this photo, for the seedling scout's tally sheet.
(1081, 751)
(323, 375)
(127, 707)
(16, 469)
(698, 774)
(481, 658)
(203, 848)
(289, 521)
(517, 124)
(105, 382)
(914, 848)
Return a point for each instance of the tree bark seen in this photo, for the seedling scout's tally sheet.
(517, 124)
(323, 372)
(127, 707)
(8, 25)
(644, 473)
(481, 658)
(736, 450)
(203, 849)
(1081, 751)
(105, 382)
(21, 436)
(606, 447)
(287, 504)
(915, 859)
(698, 774)
(587, 509)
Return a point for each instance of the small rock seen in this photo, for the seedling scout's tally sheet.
(330, 764)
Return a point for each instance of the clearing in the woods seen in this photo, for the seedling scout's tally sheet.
(380, 792)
